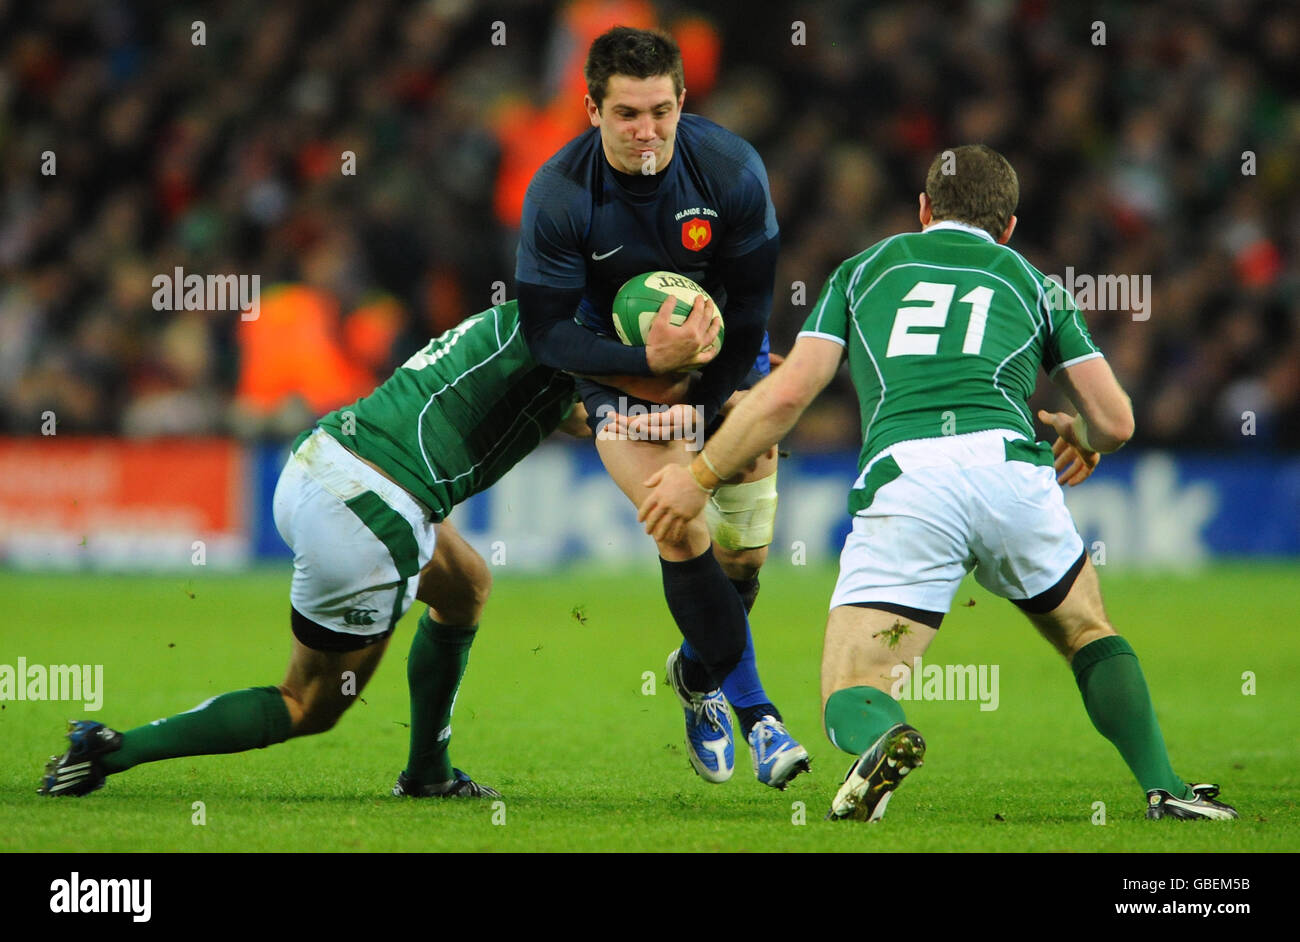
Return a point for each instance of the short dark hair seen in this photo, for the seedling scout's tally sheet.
(639, 53)
(973, 184)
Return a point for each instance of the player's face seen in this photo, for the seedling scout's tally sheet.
(638, 122)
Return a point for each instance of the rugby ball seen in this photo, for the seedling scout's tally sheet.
(637, 303)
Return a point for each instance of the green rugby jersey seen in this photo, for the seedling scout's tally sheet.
(459, 414)
(945, 331)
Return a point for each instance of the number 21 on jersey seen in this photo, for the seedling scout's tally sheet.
(902, 342)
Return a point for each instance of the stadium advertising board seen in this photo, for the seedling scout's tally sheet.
(89, 503)
(1140, 509)
(101, 503)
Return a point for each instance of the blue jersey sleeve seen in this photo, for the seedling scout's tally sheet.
(749, 281)
(550, 276)
(556, 340)
(551, 233)
(751, 209)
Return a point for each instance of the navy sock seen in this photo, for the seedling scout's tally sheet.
(750, 715)
(693, 673)
(743, 688)
(709, 614)
(748, 591)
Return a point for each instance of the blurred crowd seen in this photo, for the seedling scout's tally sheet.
(135, 138)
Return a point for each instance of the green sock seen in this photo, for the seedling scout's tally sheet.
(242, 719)
(1119, 705)
(437, 662)
(857, 716)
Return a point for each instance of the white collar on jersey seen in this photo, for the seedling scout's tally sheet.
(961, 227)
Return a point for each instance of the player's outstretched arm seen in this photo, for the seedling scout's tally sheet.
(678, 493)
(1105, 419)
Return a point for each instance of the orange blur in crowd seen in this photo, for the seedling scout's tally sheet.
(298, 346)
(530, 135)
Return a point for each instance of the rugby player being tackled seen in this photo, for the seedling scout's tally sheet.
(363, 502)
(649, 188)
(944, 331)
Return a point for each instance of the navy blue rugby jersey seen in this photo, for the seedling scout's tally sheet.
(589, 228)
(583, 228)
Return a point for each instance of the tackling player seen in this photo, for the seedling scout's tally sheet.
(363, 502)
(945, 331)
(646, 189)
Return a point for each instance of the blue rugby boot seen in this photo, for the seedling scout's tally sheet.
(708, 727)
(777, 757)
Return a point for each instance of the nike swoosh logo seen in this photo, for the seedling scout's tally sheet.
(597, 258)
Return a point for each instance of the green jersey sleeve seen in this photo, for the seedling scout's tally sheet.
(829, 318)
(1068, 340)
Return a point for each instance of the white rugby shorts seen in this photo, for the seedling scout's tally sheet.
(359, 540)
(958, 507)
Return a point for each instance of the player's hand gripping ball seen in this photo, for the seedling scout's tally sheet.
(638, 301)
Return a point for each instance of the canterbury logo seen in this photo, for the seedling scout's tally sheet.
(360, 616)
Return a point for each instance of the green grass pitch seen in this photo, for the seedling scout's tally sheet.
(554, 713)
